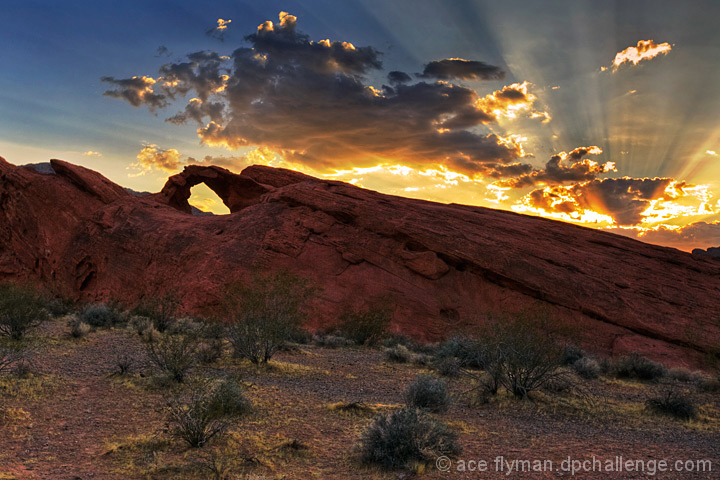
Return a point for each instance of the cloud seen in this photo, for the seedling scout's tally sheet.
(163, 51)
(218, 31)
(153, 158)
(644, 50)
(222, 24)
(620, 201)
(564, 168)
(398, 77)
(136, 91)
(693, 235)
(463, 69)
(309, 102)
(91, 153)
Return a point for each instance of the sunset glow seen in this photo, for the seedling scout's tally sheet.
(600, 123)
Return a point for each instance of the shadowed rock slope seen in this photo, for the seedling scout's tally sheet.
(445, 267)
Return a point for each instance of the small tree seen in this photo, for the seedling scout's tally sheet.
(21, 309)
(265, 314)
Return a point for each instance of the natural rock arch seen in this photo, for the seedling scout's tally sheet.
(235, 191)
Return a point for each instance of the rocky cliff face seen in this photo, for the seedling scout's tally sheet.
(445, 267)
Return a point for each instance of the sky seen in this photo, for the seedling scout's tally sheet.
(598, 113)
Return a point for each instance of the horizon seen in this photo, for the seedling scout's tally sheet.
(534, 109)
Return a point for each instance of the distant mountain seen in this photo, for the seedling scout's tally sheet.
(710, 252)
(446, 268)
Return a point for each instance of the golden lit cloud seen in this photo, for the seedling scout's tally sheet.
(91, 153)
(222, 24)
(153, 158)
(644, 50)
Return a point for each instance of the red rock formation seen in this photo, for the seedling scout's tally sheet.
(446, 267)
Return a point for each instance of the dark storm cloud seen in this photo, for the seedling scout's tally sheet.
(398, 77)
(308, 101)
(451, 68)
(623, 199)
(137, 91)
(564, 168)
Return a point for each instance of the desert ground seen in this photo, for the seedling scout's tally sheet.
(69, 413)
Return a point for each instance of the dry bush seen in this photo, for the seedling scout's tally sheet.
(366, 327)
(428, 393)
(670, 400)
(265, 314)
(406, 437)
(21, 310)
(173, 354)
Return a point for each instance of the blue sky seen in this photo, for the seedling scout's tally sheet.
(657, 119)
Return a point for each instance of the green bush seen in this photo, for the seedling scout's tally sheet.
(640, 368)
(101, 315)
(406, 437)
(365, 327)
(670, 401)
(428, 393)
(265, 314)
(228, 400)
(21, 309)
(173, 354)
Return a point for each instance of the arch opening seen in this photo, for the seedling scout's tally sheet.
(204, 201)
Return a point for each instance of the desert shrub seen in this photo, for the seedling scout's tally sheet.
(398, 354)
(671, 401)
(330, 341)
(265, 314)
(101, 315)
(21, 309)
(447, 367)
(229, 400)
(162, 310)
(184, 326)
(681, 375)
(428, 393)
(173, 354)
(203, 412)
(11, 357)
(140, 324)
(560, 382)
(526, 358)
(587, 368)
(406, 437)
(709, 384)
(124, 363)
(78, 328)
(211, 351)
(470, 352)
(571, 354)
(365, 327)
(422, 359)
(640, 368)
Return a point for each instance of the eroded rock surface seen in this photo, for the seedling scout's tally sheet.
(446, 267)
